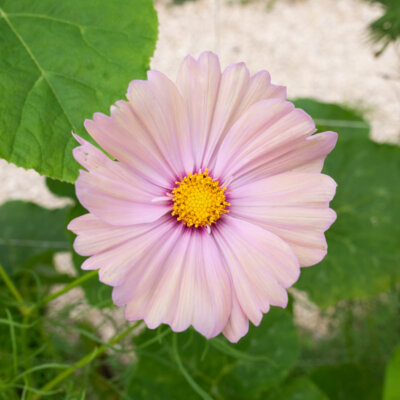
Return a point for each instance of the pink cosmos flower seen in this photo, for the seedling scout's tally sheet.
(214, 201)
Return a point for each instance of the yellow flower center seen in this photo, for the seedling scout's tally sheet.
(199, 200)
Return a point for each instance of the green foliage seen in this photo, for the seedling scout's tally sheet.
(392, 377)
(364, 253)
(220, 369)
(297, 389)
(61, 189)
(386, 29)
(60, 63)
(346, 382)
(28, 230)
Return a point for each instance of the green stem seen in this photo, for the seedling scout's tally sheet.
(24, 310)
(204, 395)
(68, 287)
(84, 361)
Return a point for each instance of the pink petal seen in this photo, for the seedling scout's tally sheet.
(261, 266)
(159, 107)
(182, 283)
(238, 324)
(117, 261)
(198, 82)
(96, 236)
(114, 192)
(305, 156)
(233, 86)
(96, 162)
(268, 129)
(294, 206)
(122, 136)
(118, 202)
(214, 102)
(260, 88)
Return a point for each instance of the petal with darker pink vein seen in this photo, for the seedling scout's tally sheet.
(198, 82)
(294, 206)
(267, 130)
(118, 202)
(95, 236)
(306, 155)
(137, 242)
(215, 101)
(159, 107)
(238, 323)
(261, 266)
(183, 282)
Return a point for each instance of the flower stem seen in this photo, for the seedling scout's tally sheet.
(68, 287)
(84, 361)
(17, 295)
(204, 395)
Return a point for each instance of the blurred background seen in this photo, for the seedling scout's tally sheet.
(340, 60)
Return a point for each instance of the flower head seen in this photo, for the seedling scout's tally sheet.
(213, 202)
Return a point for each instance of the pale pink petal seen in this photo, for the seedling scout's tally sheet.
(260, 88)
(307, 156)
(117, 202)
(159, 107)
(96, 162)
(238, 323)
(198, 82)
(124, 142)
(261, 266)
(266, 131)
(96, 236)
(214, 102)
(233, 85)
(122, 258)
(183, 283)
(294, 206)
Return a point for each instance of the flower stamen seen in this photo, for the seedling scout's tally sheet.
(199, 200)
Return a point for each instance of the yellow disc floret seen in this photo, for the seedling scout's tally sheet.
(199, 200)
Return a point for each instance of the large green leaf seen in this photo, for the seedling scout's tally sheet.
(60, 62)
(297, 389)
(363, 245)
(261, 359)
(28, 231)
(391, 389)
(346, 382)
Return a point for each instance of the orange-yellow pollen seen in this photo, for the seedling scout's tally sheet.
(199, 200)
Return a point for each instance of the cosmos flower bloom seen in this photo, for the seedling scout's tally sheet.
(213, 202)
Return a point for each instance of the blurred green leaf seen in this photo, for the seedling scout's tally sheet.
(333, 117)
(363, 244)
(391, 389)
(60, 62)
(386, 29)
(270, 351)
(28, 230)
(346, 382)
(259, 361)
(296, 389)
(61, 189)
